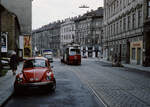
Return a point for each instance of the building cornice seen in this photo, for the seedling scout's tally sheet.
(131, 8)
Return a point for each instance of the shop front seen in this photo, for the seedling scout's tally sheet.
(136, 52)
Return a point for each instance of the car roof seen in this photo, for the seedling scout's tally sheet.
(43, 58)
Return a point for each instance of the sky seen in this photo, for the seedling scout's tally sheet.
(46, 11)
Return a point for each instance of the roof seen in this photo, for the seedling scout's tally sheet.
(93, 14)
(43, 58)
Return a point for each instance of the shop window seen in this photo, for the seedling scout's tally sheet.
(133, 53)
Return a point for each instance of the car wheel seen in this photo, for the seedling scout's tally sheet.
(16, 90)
(54, 86)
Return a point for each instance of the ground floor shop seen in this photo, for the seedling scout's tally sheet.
(91, 51)
(129, 50)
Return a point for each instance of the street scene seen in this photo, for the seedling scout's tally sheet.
(73, 53)
(93, 84)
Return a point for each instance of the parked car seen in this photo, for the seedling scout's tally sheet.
(36, 73)
(49, 57)
(5, 63)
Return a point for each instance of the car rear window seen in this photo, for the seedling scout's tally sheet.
(35, 63)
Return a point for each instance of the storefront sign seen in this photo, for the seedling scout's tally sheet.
(136, 44)
(4, 41)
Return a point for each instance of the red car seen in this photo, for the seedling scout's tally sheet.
(36, 73)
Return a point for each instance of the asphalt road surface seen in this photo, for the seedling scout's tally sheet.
(70, 92)
(93, 84)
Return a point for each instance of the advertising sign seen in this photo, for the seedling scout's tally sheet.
(21, 43)
(27, 51)
(4, 41)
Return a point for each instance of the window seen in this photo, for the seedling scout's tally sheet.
(139, 18)
(120, 26)
(35, 63)
(114, 29)
(124, 50)
(117, 28)
(133, 53)
(124, 24)
(133, 21)
(129, 22)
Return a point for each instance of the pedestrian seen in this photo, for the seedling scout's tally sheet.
(13, 62)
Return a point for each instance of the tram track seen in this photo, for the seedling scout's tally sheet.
(90, 88)
(120, 89)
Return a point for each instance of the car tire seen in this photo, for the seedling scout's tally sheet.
(16, 90)
(54, 86)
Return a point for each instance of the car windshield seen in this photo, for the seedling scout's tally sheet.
(35, 63)
(74, 51)
(48, 56)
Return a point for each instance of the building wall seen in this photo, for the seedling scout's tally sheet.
(123, 25)
(23, 10)
(89, 33)
(10, 25)
(67, 33)
(47, 37)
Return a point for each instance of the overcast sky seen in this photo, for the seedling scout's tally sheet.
(46, 11)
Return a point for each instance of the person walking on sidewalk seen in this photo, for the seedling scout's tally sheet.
(13, 62)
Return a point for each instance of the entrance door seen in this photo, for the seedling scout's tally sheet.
(138, 56)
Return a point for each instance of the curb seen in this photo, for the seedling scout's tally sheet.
(8, 94)
(126, 66)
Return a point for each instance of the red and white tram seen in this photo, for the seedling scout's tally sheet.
(72, 54)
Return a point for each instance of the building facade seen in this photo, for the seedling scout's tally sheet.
(146, 59)
(67, 32)
(124, 30)
(10, 32)
(54, 37)
(47, 37)
(23, 10)
(89, 33)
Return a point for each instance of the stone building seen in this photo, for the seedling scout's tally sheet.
(10, 31)
(89, 33)
(16, 22)
(67, 32)
(47, 37)
(124, 30)
(23, 10)
(146, 59)
(55, 37)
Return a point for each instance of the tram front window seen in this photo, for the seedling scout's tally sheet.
(74, 51)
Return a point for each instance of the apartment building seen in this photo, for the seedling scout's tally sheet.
(67, 32)
(89, 33)
(124, 30)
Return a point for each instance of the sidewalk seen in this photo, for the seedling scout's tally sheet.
(6, 85)
(138, 67)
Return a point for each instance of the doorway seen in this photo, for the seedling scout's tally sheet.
(138, 56)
